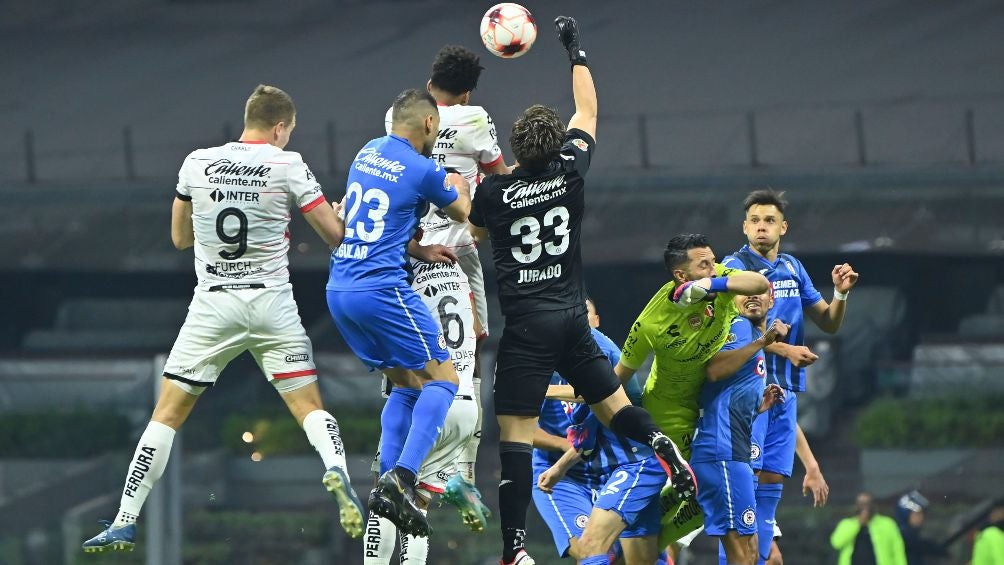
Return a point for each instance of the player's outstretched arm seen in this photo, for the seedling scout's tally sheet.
(726, 362)
(623, 372)
(182, 230)
(746, 283)
(550, 442)
(813, 481)
(830, 316)
(326, 222)
(459, 209)
(583, 89)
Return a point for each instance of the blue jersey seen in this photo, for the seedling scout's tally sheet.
(729, 406)
(556, 416)
(793, 293)
(388, 190)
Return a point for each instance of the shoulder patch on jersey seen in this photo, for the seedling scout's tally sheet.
(581, 144)
(731, 338)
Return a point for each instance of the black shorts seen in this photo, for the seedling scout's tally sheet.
(535, 345)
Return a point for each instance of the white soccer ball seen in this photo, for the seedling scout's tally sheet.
(508, 30)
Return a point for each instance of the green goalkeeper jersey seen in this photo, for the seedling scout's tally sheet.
(682, 339)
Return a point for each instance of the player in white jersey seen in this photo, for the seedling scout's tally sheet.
(232, 205)
(444, 289)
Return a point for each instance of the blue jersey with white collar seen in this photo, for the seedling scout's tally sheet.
(793, 293)
(388, 190)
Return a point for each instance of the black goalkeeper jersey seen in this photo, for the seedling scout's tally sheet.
(534, 221)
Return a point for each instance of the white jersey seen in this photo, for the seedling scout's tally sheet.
(241, 194)
(466, 140)
(444, 289)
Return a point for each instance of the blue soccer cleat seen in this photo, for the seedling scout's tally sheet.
(467, 499)
(350, 510)
(112, 539)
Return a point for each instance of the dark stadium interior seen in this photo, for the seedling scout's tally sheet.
(883, 120)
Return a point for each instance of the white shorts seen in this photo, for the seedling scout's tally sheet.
(223, 324)
(441, 463)
(470, 263)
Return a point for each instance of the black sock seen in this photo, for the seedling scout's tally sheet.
(514, 496)
(406, 476)
(634, 422)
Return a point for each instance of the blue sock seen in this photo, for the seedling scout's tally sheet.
(596, 560)
(768, 496)
(395, 421)
(663, 559)
(722, 559)
(426, 421)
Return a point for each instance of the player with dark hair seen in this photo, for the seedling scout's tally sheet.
(775, 434)
(243, 300)
(684, 324)
(533, 217)
(374, 307)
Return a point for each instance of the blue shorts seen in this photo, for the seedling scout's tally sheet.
(773, 437)
(388, 327)
(633, 492)
(727, 496)
(565, 510)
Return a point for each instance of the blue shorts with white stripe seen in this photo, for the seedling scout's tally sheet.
(388, 327)
(565, 509)
(727, 495)
(632, 491)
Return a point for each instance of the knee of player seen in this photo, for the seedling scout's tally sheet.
(575, 549)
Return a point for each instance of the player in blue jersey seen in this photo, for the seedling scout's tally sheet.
(390, 185)
(566, 509)
(775, 432)
(730, 398)
(626, 501)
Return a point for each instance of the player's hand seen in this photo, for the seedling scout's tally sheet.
(816, 484)
(568, 34)
(777, 331)
(582, 438)
(339, 208)
(434, 253)
(844, 277)
(691, 292)
(549, 478)
(800, 355)
(459, 183)
(772, 395)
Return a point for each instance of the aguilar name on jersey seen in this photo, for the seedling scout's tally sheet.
(241, 195)
(534, 221)
(466, 141)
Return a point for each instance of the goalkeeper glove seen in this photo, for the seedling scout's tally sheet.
(568, 34)
(688, 293)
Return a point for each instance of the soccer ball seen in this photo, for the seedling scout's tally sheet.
(508, 30)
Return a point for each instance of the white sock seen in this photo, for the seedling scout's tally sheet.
(414, 550)
(148, 463)
(322, 432)
(381, 537)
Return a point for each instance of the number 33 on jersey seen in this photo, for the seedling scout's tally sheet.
(534, 221)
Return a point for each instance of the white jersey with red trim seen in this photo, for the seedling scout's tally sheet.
(466, 141)
(241, 195)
